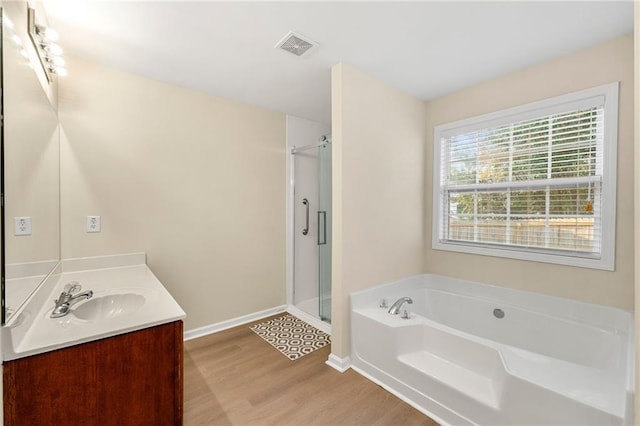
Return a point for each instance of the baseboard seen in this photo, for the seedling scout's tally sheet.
(340, 364)
(309, 319)
(234, 322)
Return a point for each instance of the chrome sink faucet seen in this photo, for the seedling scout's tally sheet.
(68, 298)
(395, 308)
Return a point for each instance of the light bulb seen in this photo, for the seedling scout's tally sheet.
(51, 34)
(55, 60)
(53, 48)
(46, 33)
(62, 72)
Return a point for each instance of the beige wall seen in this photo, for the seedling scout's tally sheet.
(195, 181)
(378, 174)
(637, 198)
(612, 61)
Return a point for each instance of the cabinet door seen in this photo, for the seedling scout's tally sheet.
(140, 378)
(51, 388)
(131, 379)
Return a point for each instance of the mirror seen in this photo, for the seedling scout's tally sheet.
(31, 168)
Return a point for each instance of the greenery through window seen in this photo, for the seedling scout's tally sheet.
(530, 180)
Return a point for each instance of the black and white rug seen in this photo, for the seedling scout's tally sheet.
(293, 337)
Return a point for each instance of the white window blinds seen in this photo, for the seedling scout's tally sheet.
(528, 180)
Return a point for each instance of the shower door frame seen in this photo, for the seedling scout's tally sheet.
(290, 234)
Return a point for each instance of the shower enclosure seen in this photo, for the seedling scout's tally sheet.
(311, 182)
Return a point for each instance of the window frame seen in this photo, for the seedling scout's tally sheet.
(555, 105)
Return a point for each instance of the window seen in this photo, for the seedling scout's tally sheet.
(535, 182)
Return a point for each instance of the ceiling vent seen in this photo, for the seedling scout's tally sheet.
(296, 43)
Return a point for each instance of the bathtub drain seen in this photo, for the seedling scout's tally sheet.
(498, 313)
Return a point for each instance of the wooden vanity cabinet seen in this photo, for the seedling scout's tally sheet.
(129, 379)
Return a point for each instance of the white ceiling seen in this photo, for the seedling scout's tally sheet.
(424, 48)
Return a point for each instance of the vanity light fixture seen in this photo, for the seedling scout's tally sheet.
(49, 53)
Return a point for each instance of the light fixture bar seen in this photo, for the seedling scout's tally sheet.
(47, 51)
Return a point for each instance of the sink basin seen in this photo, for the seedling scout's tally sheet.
(109, 306)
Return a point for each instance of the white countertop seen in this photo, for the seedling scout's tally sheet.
(33, 331)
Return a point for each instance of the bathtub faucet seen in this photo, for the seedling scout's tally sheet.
(395, 308)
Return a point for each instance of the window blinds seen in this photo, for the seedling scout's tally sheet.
(534, 183)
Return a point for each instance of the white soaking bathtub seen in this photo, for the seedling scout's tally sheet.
(547, 361)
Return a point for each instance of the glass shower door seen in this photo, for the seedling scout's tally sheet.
(324, 229)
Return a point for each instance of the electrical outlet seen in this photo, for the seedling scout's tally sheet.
(22, 226)
(93, 223)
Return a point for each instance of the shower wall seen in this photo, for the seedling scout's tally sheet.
(302, 267)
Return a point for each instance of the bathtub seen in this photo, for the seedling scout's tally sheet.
(472, 353)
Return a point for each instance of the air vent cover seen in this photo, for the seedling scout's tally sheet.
(296, 44)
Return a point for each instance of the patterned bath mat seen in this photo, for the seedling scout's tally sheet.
(293, 337)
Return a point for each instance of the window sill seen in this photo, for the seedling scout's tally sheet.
(606, 264)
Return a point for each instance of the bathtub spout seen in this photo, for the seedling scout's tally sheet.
(395, 308)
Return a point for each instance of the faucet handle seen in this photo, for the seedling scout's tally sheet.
(72, 287)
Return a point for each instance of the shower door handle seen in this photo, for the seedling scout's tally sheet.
(322, 214)
(305, 231)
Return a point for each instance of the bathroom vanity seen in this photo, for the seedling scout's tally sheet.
(115, 359)
(131, 379)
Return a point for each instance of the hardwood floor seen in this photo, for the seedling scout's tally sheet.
(236, 378)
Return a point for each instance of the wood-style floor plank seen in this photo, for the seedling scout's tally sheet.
(236, 378)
